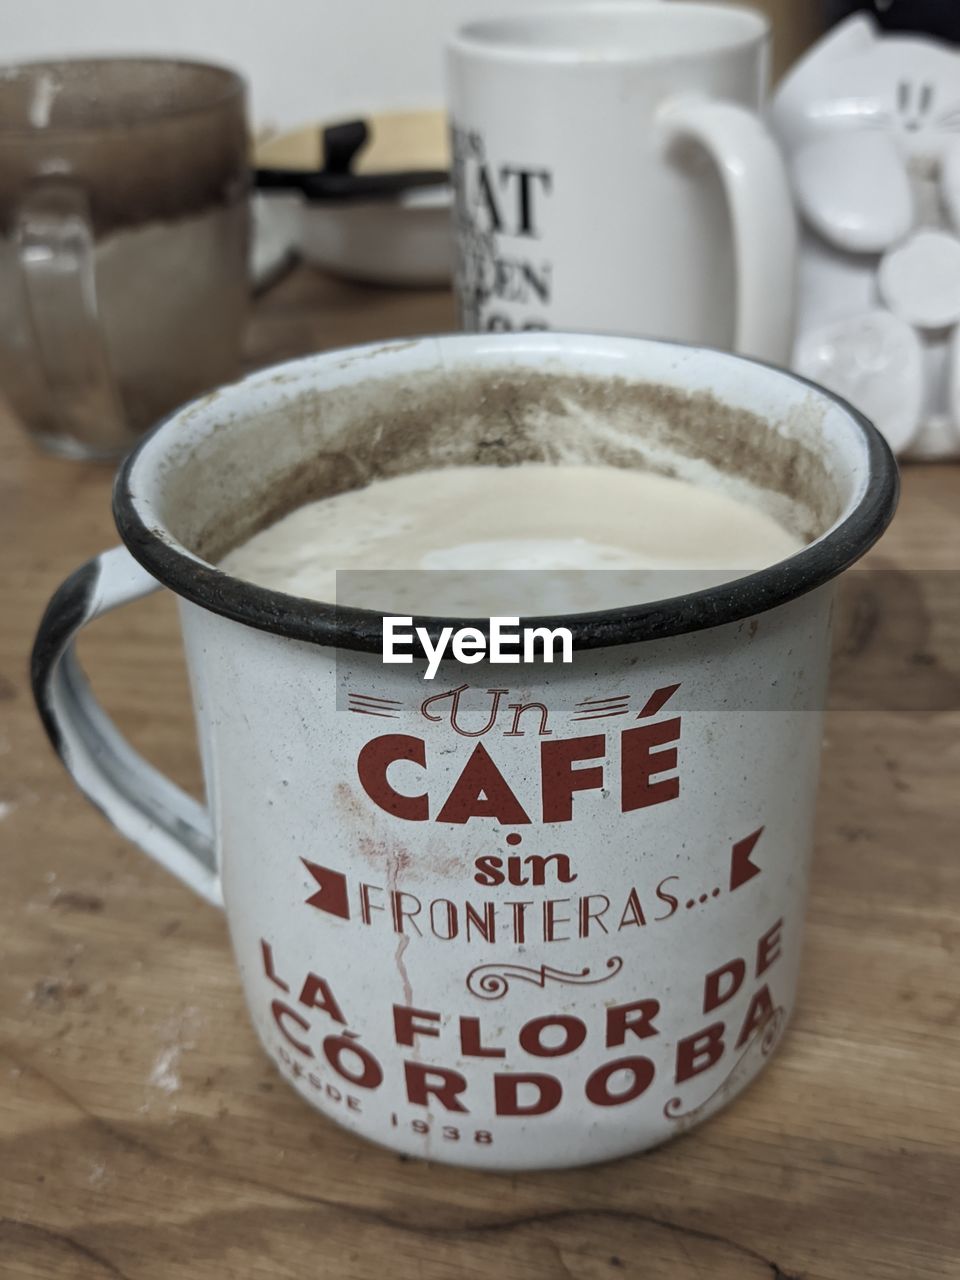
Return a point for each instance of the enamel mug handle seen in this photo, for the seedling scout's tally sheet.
(762, 213)
(141, 803)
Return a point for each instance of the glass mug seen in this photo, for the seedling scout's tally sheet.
(123, 244)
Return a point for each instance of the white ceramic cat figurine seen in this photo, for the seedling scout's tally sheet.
(870, 124)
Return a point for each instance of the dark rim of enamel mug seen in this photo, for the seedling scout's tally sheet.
(362, 629)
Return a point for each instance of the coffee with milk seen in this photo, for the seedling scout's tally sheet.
(588, 537)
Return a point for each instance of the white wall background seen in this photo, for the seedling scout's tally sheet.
(306, 59)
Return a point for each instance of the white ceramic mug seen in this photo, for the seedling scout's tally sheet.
(518, 917)
(613, 174)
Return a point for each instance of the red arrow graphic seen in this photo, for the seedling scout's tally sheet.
(741, 868)
(332, 894)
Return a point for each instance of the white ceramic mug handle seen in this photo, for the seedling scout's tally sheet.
(141, 803)
(762, 213)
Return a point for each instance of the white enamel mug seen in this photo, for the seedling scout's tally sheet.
(612, 174)
(520, 916)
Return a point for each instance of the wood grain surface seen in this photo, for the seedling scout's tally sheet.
(144, 1135)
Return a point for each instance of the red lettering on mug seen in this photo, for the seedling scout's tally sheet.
(768, 948)
(761, 1008)
(372, 764)
(266, 951)
(424, 1083)
(639, 764)
(641, 1071)
(633, 1019)
(314, 987)
(588, 915)
(698, 1053)
(506, 1093)
(409, 1023)
(370, 1074)
(552, 921)
(668, 898)
(482, 791)
(723, 984)
(633, 911)
(282, 1012)
(531, 1036)
(471, 1041)
(559, 778)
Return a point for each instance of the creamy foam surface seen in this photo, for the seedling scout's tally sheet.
(587, 537)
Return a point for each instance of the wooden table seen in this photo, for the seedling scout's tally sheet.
(144, 1135)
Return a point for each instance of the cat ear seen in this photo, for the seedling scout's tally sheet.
(808, 80)
(854, 190)
(856, 35)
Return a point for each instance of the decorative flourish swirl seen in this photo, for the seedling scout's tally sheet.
(492, 981)
(767, 1035)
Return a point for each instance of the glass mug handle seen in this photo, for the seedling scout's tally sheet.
(142, 804)
(55, 250)
(762, 213)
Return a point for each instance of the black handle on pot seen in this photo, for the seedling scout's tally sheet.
(336, 182)
(324, 186)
